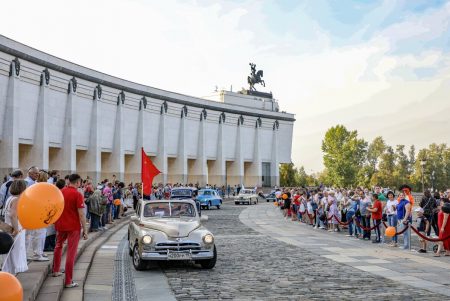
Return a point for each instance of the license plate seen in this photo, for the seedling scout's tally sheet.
(179, 256)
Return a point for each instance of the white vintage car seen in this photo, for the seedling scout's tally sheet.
(170, 230)
(246, 196)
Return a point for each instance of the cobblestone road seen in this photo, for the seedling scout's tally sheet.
(252, 266)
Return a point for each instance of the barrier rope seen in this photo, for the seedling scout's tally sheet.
(341, 222)
(429, 238)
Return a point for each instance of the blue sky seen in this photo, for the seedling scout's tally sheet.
(318, 56)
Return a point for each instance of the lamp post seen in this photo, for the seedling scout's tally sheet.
(432, 180)
(422, 164)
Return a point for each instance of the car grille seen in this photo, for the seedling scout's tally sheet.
(162, 247)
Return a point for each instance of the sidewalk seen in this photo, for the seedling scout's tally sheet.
(414, 269)
(34, 280)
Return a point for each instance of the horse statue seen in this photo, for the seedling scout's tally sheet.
(255, 77)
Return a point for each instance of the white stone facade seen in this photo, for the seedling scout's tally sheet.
(58, 115)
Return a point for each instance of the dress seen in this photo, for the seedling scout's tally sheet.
(17, 260)
(333, 210)
(446, 230)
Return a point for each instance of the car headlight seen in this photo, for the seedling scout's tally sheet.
(208, 239)
(147, 239)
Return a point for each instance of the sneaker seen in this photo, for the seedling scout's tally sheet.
(73, 284)
(422, 251)
(337, 230)
(321, 227)
(40, 258)
(315, 227)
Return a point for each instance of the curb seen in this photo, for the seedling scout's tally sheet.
(36, 282)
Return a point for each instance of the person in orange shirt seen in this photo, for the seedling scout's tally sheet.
(406, 189)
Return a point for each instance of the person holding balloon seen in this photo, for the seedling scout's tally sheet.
(16, 260)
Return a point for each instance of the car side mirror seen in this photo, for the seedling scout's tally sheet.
(204, 218)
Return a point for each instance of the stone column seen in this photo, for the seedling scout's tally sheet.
(161, 159)
(116, 161)
(254, 172)
(236, 170)
(218, 170)
(181, 168)
(39, 150)
(200, 168)
(9, 144)
(65, 160)
(94, 153)
(274, 166)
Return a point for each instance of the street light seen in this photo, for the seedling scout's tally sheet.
(432, 180)
(422, 164)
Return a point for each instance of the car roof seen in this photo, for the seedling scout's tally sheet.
(190, 201)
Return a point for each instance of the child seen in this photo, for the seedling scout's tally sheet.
(423, 225)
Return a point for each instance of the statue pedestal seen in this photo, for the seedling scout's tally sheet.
(257, 94)
(247, 98)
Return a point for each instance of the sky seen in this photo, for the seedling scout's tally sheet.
(318, 57)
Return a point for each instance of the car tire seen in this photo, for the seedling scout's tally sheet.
(138, 263)
(209, 263)
(236, 203)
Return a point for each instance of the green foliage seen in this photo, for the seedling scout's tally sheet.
(344, 155)
(349, 161)
(288, 175)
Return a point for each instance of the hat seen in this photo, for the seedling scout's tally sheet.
(419, 209)
(405, 186)
(16, 173)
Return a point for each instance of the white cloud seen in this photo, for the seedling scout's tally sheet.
(190, 48)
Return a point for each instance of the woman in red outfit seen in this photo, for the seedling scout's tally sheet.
(444, 231)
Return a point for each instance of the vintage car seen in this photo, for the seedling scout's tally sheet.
(246, 196)
(170, 230)
(208, 198)
(179, 193)
(271, 197)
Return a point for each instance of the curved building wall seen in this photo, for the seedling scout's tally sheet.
(59, 115)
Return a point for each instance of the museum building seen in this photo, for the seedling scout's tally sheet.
(58, 115)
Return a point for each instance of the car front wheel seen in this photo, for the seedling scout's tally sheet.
(138, 263)
(209, 263)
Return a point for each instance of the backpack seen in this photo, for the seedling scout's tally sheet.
(2, 211)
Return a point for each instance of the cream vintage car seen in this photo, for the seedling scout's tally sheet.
(246, 196)
(170, 230)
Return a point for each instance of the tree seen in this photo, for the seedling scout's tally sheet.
(374, 152)
(302, 177)
(401, 175)
(288, 175)
(344, 155)
(412, 159)
(386, 168)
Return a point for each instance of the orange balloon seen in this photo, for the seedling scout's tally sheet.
(40, 205)
(390, 231)
(117, 202)
(10, 288)
(284, 196)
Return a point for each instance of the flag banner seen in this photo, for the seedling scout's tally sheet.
(148, 172)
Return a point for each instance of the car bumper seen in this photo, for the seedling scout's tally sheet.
(152, 255)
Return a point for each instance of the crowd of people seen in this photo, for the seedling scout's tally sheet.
(367, 214)
(88, 208)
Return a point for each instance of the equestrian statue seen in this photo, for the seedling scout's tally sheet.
(255, 77)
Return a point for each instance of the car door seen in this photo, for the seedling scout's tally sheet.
(216, 198)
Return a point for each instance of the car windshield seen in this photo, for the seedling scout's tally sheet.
(205, 192)
(181, 192)
(172, 209)
(246, 191)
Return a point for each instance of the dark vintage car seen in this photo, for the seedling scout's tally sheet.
(183, 193)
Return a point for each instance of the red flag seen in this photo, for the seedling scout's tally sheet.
(148, 172)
